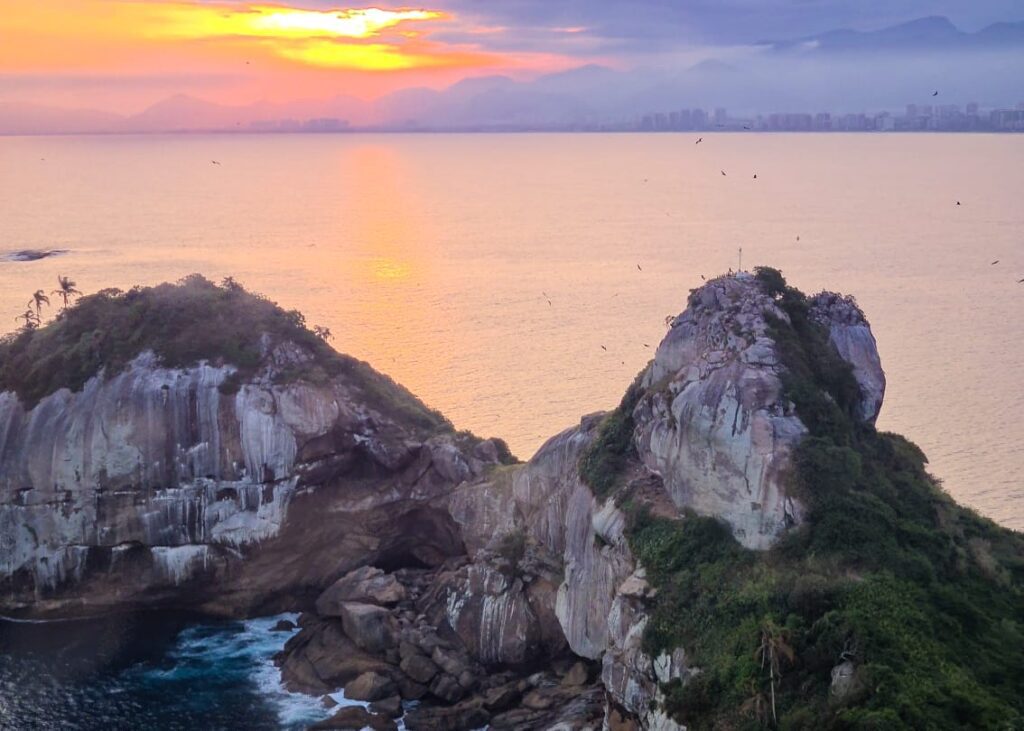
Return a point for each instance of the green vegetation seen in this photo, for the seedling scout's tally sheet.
(924, 597)
(183, 324)
(603, 464)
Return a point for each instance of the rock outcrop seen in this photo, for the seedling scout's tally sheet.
(155, 488)
(491, 593)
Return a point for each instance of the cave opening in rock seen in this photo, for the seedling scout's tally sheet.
(423, 538)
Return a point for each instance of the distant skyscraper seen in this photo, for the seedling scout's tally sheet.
(720, 116)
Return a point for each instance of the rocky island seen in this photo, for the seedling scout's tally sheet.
(734, 546)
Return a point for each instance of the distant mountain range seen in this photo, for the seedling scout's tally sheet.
(933, 33)
(850, 71)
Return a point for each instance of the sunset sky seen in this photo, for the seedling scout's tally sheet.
(123, 55)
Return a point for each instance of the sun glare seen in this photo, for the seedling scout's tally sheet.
(359, 23)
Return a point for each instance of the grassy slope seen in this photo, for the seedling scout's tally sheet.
(924, 596)
(183, 324)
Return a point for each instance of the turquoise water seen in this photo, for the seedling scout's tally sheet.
(147, 672)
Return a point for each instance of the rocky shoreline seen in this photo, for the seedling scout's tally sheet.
(382, 638)
(437, 578)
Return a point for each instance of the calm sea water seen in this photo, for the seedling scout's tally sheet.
(432, 257)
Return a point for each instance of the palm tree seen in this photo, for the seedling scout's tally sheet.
(31, 319)
(773, 648)
(67, 289)
(38, 300)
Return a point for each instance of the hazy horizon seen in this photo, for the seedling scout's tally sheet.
(178, 66)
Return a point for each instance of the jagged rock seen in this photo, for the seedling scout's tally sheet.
(367, 585)
(447, 688)
(283, 625)
(410, 690)
(844, 681)
(418, 667)
(492, 614)
(503, 696)
(713, 422)
(390, 706)
(851, 335)
(469, 714)
(577, 675)
(356, 718)
(371, 627)
(369, 686)
(449, 661)
(321, 658)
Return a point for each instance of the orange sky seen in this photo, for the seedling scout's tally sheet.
(126, 54)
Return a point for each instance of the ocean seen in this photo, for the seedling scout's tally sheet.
(485, 272)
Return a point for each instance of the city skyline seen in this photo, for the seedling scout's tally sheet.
(149, 65)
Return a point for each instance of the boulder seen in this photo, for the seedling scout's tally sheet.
(356, 718)
(447, 688)
(469, 714)
(366, 585)
(371, 627)
(283, 625)
(390, 706)
(577, 675)
(369, 686)
(321, 659)
(419, 667)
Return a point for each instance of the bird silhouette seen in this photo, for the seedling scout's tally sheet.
(647, 346)
(699, 140)
(797, 238)
(214, 162)
(604, 348)
(935, 93)
(994, 263)
(722, 172)
(1020, 281)
(958, 202)
(755, 176)
(746, 126)
(702, 278)
(639, 267)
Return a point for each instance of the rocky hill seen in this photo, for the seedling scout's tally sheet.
(735, 546)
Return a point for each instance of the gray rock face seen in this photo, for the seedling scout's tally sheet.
(851, 335)
(155, 488)
(714, 423)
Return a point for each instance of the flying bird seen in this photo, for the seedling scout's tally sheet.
(958, 202)
(797, 238)
(699, 140)
(994, 263)
(604, 348)
(639, 267)
(935, 93)
(722, 171)
(702, 278)
(755, 176)
(647, 346)
(214, 162)
(746, 126)
(1020, 281)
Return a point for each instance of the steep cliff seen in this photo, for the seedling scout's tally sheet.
(208, 485)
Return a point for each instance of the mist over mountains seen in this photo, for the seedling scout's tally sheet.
(841, 71)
